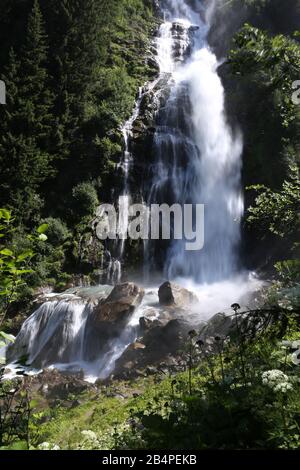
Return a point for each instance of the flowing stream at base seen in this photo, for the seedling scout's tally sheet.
(197, 161)
(58, 335)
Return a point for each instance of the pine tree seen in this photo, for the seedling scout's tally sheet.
(26, 123)
(74, 59)
(35, 84)
(76, 56)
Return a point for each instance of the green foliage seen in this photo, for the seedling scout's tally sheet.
(289, 271)
(5, 340)
(57, 231)
(85, 200)
(26, 123)
(72, 70)
(227, 409)
(265, 68)
(274, 61)
(237, 392)
(279, 212)
(214, 407)
(15, 263)
(15, 412)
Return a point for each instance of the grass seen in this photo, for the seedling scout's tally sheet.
(97, 411)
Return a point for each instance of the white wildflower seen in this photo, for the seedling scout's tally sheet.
(44, 446)
(283, 387)
(89, 435)
(48, 446)
(277, 381)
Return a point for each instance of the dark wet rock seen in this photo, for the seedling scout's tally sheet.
(173, 294)
(148, 323)
(150, 370)
(145, 323)
(152, 62)
(136, 346)
(183, 38)
(170, 361)
(75, 403)
(161, 342)
(219, 325)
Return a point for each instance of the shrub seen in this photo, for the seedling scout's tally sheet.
(57, 231)
(84, 199)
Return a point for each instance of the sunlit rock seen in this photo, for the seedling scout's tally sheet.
(173, 294)
(119, 305)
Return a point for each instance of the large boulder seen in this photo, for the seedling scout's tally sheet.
(219, 325)
(119, 305)
(171, 294)
(109, 318)
(159, 344)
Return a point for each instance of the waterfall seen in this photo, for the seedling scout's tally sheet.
(58, 335)
(197, 160)
(198, 157)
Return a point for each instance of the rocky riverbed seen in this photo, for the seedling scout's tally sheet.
(126, 331)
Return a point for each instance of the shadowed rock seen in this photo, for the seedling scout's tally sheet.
(219, 325)
(159, 344)
(171, 294)
(109, 318)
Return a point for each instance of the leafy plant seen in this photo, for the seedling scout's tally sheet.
(14, 264)
(15, 412)
(279, 211)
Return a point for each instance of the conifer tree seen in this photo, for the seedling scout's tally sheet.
(26, 123)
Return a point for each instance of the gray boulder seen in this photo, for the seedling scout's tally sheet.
(171, 294)
(219, 325)
(119, 305)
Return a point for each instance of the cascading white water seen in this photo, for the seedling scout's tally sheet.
(125, 165)
(198, 157)
(60, 335)
(115, 264)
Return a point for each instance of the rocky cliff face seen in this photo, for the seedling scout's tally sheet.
(272, 15)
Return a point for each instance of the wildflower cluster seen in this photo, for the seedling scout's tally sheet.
(90, 440)
(48, 446)
(277, 381)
